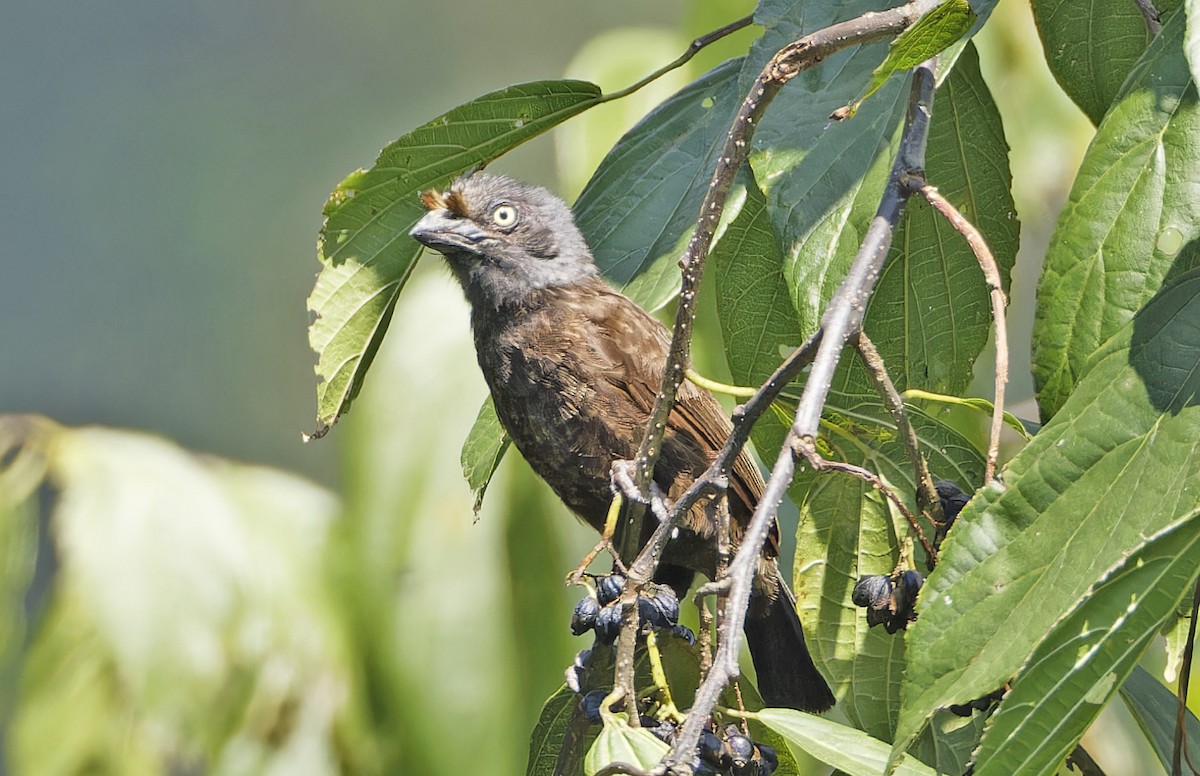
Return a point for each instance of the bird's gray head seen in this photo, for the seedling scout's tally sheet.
(504, 239)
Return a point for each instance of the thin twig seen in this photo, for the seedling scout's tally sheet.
(927, 497)
(692, 50)
(787, 63)
(1185, 672)
(991, 275)
(837, 328)
(1151, 15)
(805, 448)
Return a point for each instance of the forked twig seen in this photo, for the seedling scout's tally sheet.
(927, 497)
(991, 275)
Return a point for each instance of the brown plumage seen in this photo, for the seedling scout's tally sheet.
(574, 367)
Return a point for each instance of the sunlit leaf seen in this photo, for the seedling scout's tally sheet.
(1116, 464)
(1130, 222)
(620, 743)
(933, 33)
(848, 750)
(364, 248)
(1082, 661)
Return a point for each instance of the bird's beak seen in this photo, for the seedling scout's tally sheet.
(447, 233)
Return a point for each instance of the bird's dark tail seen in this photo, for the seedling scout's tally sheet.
(787, 677)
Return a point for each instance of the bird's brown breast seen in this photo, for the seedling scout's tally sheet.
(574, 373)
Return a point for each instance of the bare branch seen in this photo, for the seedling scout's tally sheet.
(805, 448)
(787, 63)
(693, 49)
(927, 496)
(838, 325)
(1180, 749)
(1152, 16)
(991, 274)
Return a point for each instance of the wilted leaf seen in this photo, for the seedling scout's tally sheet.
(483, 449)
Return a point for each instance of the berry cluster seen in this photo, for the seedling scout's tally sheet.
(733, 754)
(889, 600)
(602, 614)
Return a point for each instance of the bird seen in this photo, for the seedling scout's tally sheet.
(574, 368)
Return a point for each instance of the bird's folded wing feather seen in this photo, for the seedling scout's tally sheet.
(696, 416)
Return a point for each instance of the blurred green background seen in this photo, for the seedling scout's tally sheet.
(165, 165)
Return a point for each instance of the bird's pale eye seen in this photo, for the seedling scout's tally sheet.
(504, 216)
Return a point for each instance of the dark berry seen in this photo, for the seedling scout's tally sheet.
(608, 624)
(583, 619)
(710, 748)
(685, 633)
(768, 760)
(663, 730)
(659, 608)
(591, 702)
(872, 591)
(739, 750)
(609, 588)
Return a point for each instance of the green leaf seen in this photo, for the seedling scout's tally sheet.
(1130, 222)
(931, 314)
(640, 206)
(552, 726)
(1091, 47)
(365, 252)
(1191, 43)
(1154, 708)
(182, 581)
(933, 33)
(846, 749)
(483, 450)
(1115, 465)
(981, 406)
(845, 529)
(753, 305)
(25, 444)
(620, 743)
(1080, 664)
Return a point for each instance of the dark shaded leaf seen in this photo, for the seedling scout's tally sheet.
(1154, 708)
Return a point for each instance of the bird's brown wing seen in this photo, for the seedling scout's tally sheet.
(635, 351)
